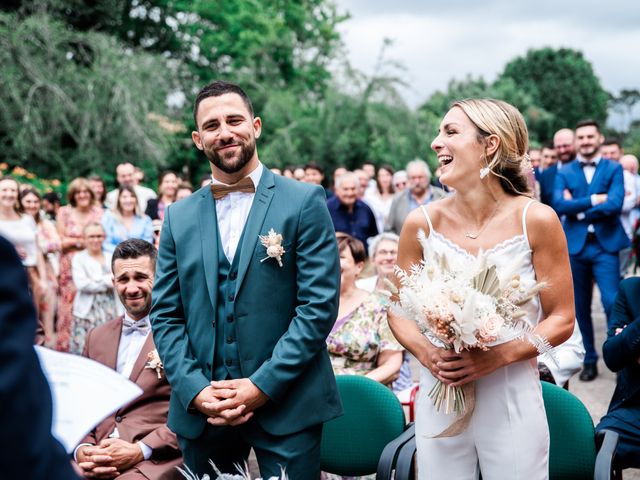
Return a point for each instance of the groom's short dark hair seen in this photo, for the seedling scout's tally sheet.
(217, 88)
(134, 248)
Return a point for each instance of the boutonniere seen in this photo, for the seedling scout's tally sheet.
(154, 362)
(273, 243)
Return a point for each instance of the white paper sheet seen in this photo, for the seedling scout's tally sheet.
(84, 393)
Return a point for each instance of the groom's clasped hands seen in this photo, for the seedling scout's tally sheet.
(229, 402)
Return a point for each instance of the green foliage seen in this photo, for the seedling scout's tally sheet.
(72, 102)
(561, 82)
(503, 89)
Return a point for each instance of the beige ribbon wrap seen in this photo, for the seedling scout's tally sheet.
(461, 423)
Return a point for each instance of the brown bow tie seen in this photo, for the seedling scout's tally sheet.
(244, 185)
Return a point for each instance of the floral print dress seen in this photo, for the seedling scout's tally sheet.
(357, 339)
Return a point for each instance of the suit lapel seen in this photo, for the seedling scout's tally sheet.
(140, 362)
(255, 220)
(593, 186)
(208, 238)
(106, 352)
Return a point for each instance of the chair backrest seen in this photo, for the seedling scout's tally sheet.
(573, 451)
(373, 416)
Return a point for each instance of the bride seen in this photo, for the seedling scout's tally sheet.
(481, 147)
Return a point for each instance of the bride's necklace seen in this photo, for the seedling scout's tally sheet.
(475, 235)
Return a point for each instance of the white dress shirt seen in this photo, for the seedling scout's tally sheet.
(232, 211)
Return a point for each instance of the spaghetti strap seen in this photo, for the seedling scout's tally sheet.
(426, 215)
(524, 221)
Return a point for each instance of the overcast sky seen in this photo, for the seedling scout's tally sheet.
(438, 41)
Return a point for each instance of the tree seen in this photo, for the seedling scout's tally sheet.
(561, 82)
(506, 89)
(74, 102)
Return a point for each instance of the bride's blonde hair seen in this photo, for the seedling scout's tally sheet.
(510, 161)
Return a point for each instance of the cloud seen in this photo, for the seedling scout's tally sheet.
(438, 42)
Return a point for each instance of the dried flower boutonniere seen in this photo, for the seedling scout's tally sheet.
(273, 243)
(154, 362)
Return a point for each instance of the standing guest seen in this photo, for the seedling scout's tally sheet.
(590, 193)
(370, 169)
(380, 198)
(21, 230)
(184, 190)
(99, 190)
(204, 180)
(630, 164)
(507, 435)
(400, 181)
(621, 352)
(314, 174)
(168, 183)
(299, 174)
(383, 252)
(535, 157)
(338, 172)
(611, 149)
(72, 219)
(133, 442)
(548, 156)
(51, 246)
(243, 341)
(564, 145)
(276, 170)
(51, 205)
(125, 221)
(94, 302)
(127, 177)
(28, 449)
(360, 342)
(288, 171)
(419, 192)
(363, 182)
(349, 214)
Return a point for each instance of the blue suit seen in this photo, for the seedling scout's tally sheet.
(28, 451)
(621, 352)
(594, 237)
(547, 179)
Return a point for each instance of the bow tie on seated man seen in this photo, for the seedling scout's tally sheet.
(134, 442)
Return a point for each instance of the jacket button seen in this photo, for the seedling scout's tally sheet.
(230, 318)
(229, 339)
(118, 418)
(232, 297)
(233, 275)
(228, 362)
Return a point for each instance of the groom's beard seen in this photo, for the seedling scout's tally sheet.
(231, 163)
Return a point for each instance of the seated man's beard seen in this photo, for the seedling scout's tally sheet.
(233, 164)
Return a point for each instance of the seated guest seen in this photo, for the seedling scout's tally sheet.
(349, 214)
(95, 302)
(125, 220)
(185, 189)
(621, 352)
(134, 442)
(361, 342)
(383, 252)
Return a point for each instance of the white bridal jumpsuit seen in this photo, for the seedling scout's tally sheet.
(507, 437)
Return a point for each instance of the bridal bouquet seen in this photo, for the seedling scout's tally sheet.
(473, 306)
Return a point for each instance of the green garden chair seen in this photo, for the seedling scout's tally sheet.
(576, 452)
(353, 444)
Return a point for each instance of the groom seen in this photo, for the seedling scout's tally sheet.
(241, 328)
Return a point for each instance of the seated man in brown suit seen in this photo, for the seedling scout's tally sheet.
(134, 442)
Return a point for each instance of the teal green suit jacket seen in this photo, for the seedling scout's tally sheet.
(283, 314)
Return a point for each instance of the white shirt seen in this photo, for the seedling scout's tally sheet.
(22, 233)
(232, 211)
(129, 348)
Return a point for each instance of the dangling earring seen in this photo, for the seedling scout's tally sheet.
(484, 172)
